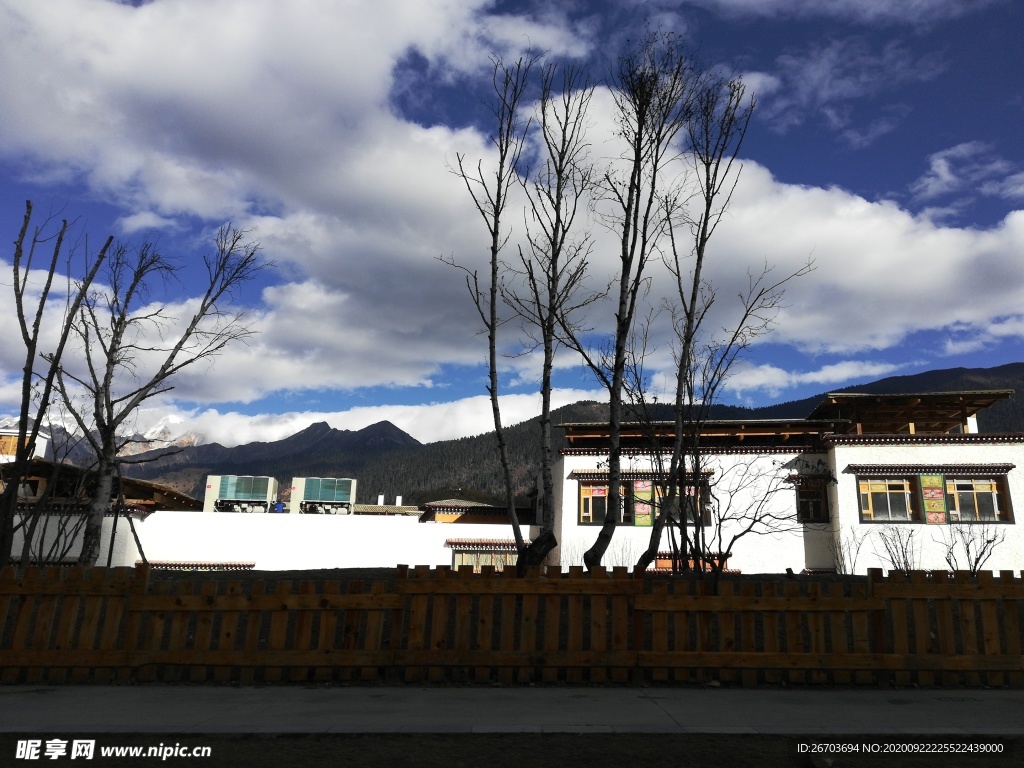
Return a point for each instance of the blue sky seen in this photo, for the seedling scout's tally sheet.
(885, 146)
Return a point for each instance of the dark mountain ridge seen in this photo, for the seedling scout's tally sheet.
(386, 460)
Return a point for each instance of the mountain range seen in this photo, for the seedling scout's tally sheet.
(385, 460)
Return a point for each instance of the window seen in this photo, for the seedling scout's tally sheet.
(889, 500)
(640, 502)
(695, 504)
(500, 559)
(594, 502)
(976, 500)
(812, 503)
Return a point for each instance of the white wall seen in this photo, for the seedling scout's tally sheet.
(47, 533)
(927, 538)
(288, 542)
(753, 553)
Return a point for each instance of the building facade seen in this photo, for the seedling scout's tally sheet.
(890, 481)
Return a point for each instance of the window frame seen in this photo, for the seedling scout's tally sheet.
(1001, 500)
(820, 494)
(911, 495)
(631, 497)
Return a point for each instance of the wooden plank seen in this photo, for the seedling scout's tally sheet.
(989, 629)
(509, 607)
(303, 631)
(551, 634)
(92, 607)
(373, 639)
(251, 646)
(574, 627)
(764, 603)
(748, 633)
(418, 607)
(922, 625)
(1012, 629)
(484, 631)
(19, 635)
(726, 629)
(659, 629)
(528, 634)
(620, 625)
(112, 630)
(177, 639)
(8, 600)
(945, 639)
(203, 642)
(526, 586)
(816, 629)
(64, 634)
(441, 620)
(959, 589)
(292, 602)
(793, 622)
(232, 625)
(898, 613)
(968, 622)
(838, 639)
(277, 632)
(350, 630)
(327, 633)
(464, 625)
(770, 621)
(42, 631)
(599, 613)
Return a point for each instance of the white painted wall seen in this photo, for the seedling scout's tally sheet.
(1007, 556)
(754, 553)
(809, 546)
(288, 542)
(47, 533)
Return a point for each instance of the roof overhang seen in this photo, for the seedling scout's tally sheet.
(932, 412)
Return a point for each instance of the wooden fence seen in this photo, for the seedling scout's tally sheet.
(62, 625)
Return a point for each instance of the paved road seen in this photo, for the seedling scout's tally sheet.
(297, 709)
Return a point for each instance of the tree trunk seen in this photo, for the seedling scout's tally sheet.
(98, 508)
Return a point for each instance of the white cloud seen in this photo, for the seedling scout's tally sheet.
(145, 220)
(830, 78)
(968, 167)
(912, 12)
(774, 380)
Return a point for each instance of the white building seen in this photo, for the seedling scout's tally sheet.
(9, 444)
(868, 480)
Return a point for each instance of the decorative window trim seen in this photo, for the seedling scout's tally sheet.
(929, 500)
(905, 470)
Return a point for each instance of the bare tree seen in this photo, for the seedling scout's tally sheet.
(554, 264)
(37, 383)
(974, 542)
(715, 127)
(741, 501)
(652, 90)
(131, 349)
(490, 191)
(845, 547)
(899, 547)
